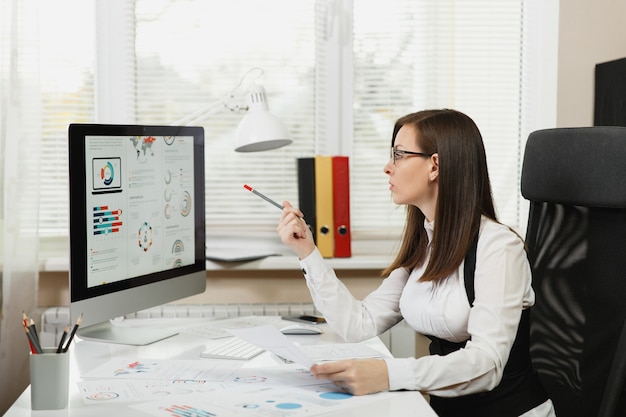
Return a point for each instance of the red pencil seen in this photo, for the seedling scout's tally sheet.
(25, 323)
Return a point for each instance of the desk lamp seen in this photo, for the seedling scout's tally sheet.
(259, 130)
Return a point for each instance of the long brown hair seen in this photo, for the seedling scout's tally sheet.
(464, 193)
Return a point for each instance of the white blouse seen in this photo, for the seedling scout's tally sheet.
(502, 286)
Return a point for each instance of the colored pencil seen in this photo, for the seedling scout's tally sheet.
(269, 200)
(69, 339)
(63, 336)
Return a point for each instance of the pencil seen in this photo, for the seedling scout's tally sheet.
(33, 330)
(25, 323)
(35, 347)
(269, 200)
(63, 336)
(69, 339)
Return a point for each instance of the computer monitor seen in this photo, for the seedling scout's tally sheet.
(137, 224)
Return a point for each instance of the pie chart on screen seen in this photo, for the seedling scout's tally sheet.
(107, 173)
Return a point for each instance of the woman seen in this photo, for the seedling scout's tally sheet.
(468, 296)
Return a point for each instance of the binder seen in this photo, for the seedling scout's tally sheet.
(306, 192)
(324, 205)
(341, 206)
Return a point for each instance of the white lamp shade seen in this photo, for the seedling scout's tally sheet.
(259, 130)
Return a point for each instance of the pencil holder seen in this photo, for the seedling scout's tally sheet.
(49, 379)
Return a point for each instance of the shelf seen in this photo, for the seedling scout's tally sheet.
(290, 262)
(281, 262)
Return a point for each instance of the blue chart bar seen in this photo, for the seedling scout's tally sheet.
(106, 221)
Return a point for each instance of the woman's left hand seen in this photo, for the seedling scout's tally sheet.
(358, 377)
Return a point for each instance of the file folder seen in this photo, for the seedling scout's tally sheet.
(306, 192)
(341, 207)
(325, 234)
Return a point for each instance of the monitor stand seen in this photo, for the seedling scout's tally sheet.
(110, 333)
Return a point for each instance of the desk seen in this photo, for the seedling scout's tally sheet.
(86, 355)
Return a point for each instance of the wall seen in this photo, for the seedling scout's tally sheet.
(590, 32)
(232, 287)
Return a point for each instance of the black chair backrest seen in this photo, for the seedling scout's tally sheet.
(575, 180)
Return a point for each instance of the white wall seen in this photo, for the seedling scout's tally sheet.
(590, 32)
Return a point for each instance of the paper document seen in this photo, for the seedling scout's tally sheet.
(340, 351)
(274, 402)
(271, 339)
(102, 391)
(217, 329)
(178, 370)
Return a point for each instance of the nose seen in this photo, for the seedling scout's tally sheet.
(388, 166)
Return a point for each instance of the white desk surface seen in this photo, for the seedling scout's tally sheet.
(86, 355)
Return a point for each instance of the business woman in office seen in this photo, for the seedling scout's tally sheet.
(460, 277)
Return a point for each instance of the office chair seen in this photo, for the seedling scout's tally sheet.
(575, 180)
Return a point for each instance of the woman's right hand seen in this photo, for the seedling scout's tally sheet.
(294, 232)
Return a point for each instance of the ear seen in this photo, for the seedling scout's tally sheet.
(434, 167)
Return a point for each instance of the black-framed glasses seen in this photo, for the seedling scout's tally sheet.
(400, 153)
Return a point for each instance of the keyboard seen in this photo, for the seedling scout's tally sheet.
(234, 348)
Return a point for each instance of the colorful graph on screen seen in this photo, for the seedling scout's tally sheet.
(106, 174)
(106, 220)
(144, 236)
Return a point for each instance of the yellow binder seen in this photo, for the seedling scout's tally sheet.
(324, 205)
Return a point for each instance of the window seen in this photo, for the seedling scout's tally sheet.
(337, 72)
(175, 77)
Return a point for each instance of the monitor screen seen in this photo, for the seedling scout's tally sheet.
(137, 223)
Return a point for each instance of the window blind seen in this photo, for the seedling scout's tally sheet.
(414, 55)
(65, 63)
(190, 54)
(337, 72)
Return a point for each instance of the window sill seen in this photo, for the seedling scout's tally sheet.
(289, 262)
(282, 262)
(367, 255)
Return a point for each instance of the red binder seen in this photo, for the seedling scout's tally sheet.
(341, 206)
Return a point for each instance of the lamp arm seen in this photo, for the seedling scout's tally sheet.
(230, 102)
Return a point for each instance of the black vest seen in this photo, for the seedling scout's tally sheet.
(520, 389)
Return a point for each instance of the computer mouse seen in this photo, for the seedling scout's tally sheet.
(299, 329)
